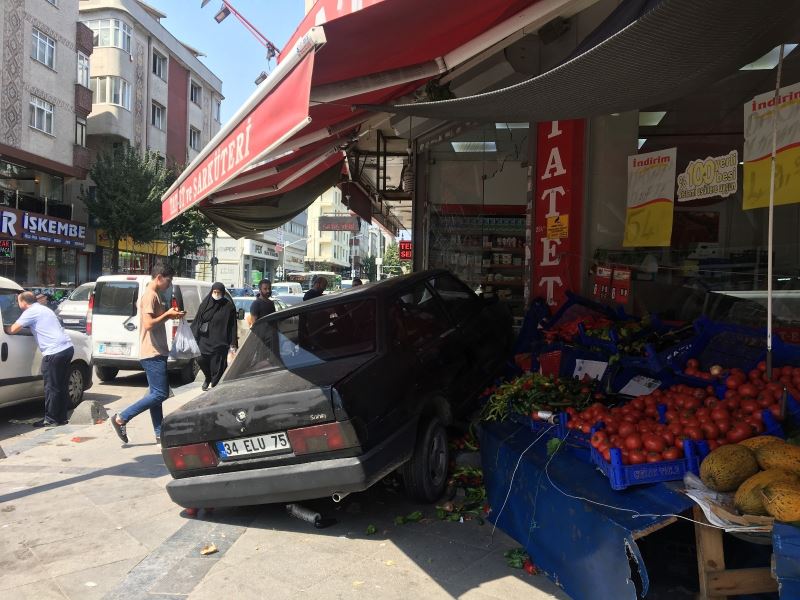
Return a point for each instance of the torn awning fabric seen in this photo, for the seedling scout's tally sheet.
(671, 51)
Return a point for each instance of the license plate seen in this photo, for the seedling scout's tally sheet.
(258, 444)
(114, 349)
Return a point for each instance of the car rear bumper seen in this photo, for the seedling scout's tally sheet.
(132, 364)
(292, 483)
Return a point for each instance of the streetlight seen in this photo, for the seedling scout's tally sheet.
(228, 9)
(283, 257)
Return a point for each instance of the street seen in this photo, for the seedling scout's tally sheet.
(83, 518)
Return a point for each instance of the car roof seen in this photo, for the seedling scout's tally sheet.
(146, 279)
(9, 284)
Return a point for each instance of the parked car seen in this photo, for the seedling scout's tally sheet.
(113, 322)
(328, 397)
(21, 361)
(287, 287)
(289, 299)
(73, 309)
(243, 304)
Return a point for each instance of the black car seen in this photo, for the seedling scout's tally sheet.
(329, 396)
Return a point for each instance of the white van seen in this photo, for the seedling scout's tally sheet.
(287, 288)
(113, 321)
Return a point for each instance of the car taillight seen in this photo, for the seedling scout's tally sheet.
(89, 314)
(322, 438)
(193, 456)
(174, 304)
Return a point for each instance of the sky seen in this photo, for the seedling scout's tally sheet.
(232, 52)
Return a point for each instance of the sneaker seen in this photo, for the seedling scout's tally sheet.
(119, 429)
(45, 423)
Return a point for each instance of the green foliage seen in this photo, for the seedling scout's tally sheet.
(392, 263)
(188, 233)
(369, 269)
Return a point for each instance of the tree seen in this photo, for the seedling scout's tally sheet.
(392, 263)
(127, 197)
(188, 233)
(369, 269)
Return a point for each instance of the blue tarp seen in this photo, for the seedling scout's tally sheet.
(587, 549)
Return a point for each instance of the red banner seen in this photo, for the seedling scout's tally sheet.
(406, 250)
(558, 199)
(602, 282)
(263, 129)
(621, 285)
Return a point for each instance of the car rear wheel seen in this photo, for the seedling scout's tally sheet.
(76, 384)
(425, 475)
(106, 373)
(189, 372)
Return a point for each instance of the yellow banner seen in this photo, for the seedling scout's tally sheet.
(158, 248)
(787, 179)
(649, 224)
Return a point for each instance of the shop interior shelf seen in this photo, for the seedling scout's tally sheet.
(505, 267)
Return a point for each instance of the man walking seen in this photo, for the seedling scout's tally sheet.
(57, 351)
(320, 283)
(153, 352)
(262, 305)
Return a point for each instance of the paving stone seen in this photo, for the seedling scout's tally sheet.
(94, 583)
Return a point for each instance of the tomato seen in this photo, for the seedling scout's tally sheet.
(729, 393)
(724, 426)
(671, 415)
(602, 447)
(637, 457)
(762, 366)
(654, 457)
(775, 409)
(754, 375)
(748, 390)
(693, 363)
(675, 428)
(739, 433)
(720, 414)
(734, 381)
(607, 455)
(626, 428)
(749, 406)
(765, 402)
(756, 425)
(710, 431)
(599, 437)
(654, 443)
(672, 453)
(633, 441)
(586, 428)
(692, 422)
(694, 433)
(668, 437)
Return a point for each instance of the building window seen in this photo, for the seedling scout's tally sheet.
(158, 116)
(111, 32)
(43, 48)
(80, 132)
(111, 90)
(218, 111)
(194, 138)
(83, 69)
(194, 93)
(41, 115)
(160, 65)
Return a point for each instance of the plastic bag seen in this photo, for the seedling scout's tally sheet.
(184, 345)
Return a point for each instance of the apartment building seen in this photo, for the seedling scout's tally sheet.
(327, 250)
(44, 103)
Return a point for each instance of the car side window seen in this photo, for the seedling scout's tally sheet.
(191, 300)
(416, 318)
(9, 309)
(460, 301)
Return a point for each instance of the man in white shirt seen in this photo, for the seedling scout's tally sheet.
(57, 351)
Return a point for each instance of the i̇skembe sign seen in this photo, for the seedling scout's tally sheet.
(33, 227)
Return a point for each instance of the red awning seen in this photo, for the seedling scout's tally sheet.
(343, 54)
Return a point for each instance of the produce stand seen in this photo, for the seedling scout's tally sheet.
(586, 548)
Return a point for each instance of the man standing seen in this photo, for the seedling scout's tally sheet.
(316, 290)
(57, 351)
(262, 305)
(153, 352)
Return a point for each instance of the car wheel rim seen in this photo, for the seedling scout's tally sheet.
(438, 460)
(75, 385)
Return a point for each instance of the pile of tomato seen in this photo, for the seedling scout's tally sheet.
(690, 413)
(568, 331)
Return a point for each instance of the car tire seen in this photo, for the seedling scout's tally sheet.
(425, 474)
(189, 373)
(106, 373)
(76, 384)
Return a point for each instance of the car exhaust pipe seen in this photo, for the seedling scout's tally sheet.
(338, 496)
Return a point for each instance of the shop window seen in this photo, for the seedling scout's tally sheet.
(158, 116)
(416, 318)
(195, 92)
(80, 132)
(218, 111)
(83, 69)
(194, 138)
(43, 48)
(160, 65)
(461, 302)
(41, 115)
(111, 90)
(111, 33)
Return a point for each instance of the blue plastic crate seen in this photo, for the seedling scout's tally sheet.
(725, 344)
(786, 549)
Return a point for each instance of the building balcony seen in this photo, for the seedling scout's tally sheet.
(83, 100)
(81, 159)
(83, 39)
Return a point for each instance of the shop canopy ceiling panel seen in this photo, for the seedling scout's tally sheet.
(675, 48)
(342, 54)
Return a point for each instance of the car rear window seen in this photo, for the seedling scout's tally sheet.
(116, 298)
(9, 309)
(191, 299)
(310, 338)
(81, 294)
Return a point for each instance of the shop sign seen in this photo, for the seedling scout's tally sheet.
(33, 227)
(339, 224)
(558, 190)
(6, 249)
(758, 125)
(602, 282)
(710, 177)
(651, 196)
(406, 250)
(261, 250)
(621, 285)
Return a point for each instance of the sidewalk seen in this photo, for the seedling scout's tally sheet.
(83, 518)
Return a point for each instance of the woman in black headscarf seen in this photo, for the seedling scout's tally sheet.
(214, 329)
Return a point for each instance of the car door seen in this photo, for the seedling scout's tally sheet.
(115, 319)
(20, 360)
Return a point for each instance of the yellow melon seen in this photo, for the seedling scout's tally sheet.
(748, 499)
(754, 443)
(727, 467)
(782, 500)
(779, 455)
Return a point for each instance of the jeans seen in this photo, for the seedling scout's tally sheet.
(156, 370)
(55, 372)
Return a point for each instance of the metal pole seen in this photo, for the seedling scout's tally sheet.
(213, 254)
(771, 210)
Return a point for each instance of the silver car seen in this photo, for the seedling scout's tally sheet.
(72, 311)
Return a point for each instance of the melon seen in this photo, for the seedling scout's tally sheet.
(754, 443)
(782, 500)
(779, 455)
(727, 467)
(748, 499)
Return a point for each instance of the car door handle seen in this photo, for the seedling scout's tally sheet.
(4, 352)
(130, 326)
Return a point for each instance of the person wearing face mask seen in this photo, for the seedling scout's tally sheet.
(214, 329)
